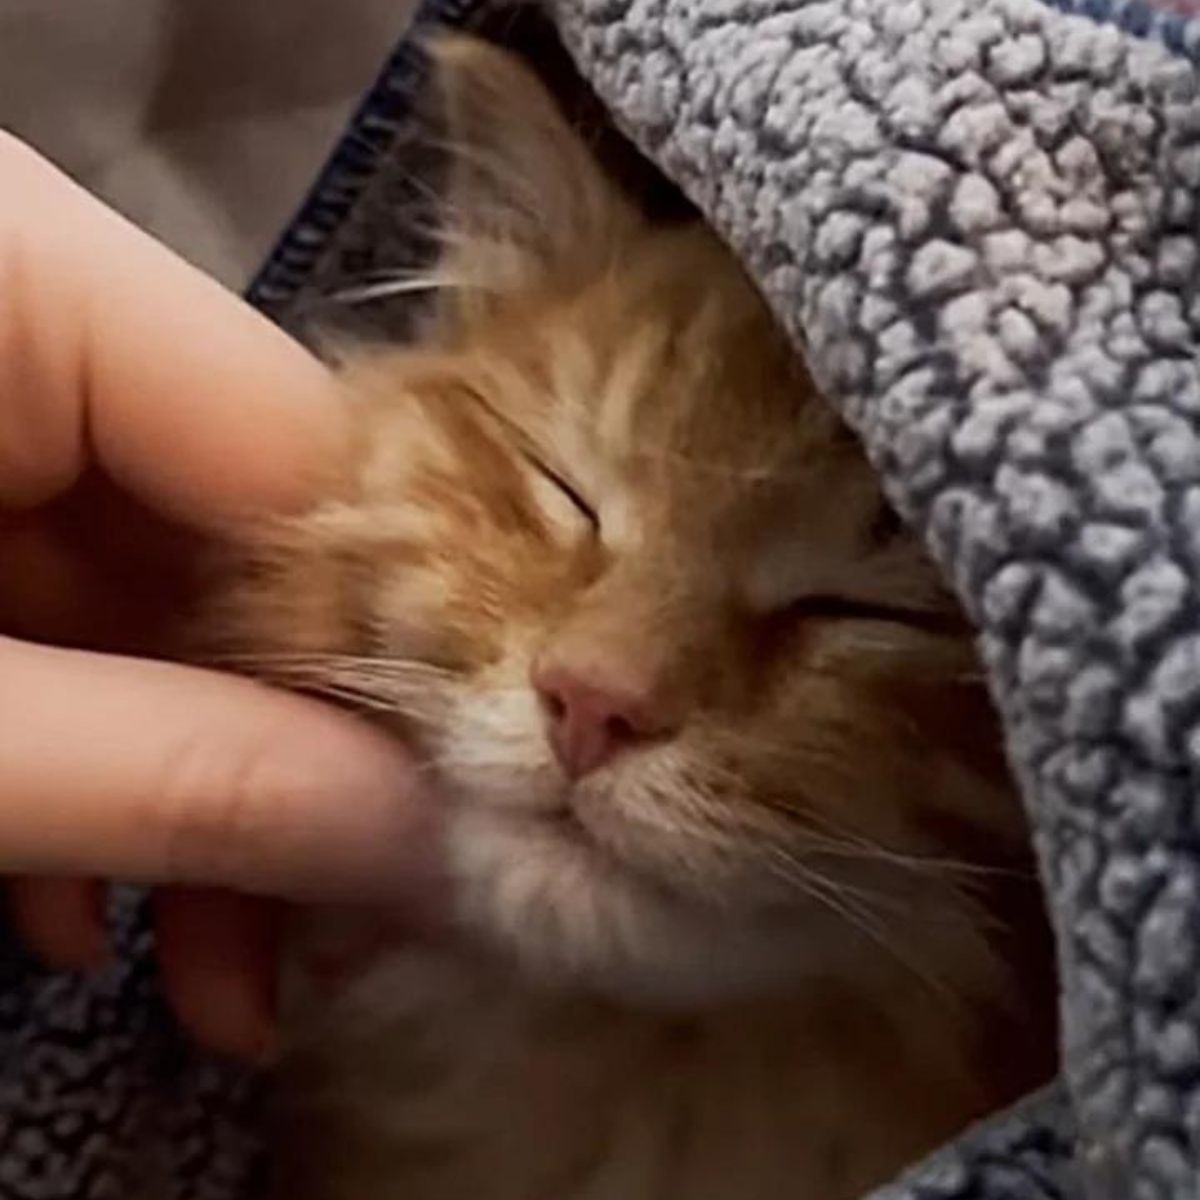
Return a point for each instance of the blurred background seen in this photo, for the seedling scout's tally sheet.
(204, 121)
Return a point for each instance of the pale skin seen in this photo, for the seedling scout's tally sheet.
(133, 387)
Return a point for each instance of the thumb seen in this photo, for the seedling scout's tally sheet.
(158, 773)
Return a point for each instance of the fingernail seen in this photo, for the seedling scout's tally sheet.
(228, 1016)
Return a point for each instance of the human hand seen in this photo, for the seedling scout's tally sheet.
(143, 409)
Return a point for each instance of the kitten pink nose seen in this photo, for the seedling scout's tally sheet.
(594, 716)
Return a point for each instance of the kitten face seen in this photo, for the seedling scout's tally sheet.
(700, 712)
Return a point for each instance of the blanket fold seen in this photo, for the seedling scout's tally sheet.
(979, 220)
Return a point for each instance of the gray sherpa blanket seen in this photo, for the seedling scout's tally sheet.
(979, 220)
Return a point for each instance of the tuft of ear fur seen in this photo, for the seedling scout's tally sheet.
(527, 201)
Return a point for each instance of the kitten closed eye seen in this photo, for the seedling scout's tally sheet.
(849, 608)
(564, 489)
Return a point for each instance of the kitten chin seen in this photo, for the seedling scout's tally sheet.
(548, 900)
(743, 899)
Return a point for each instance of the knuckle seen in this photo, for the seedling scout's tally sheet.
(212, 808)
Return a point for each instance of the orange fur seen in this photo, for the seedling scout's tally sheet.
(781, 929)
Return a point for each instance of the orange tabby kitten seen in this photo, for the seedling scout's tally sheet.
(734, 863)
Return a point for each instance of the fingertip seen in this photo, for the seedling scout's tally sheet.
(305, 801)
(61, 921)
(108, 331)
(178, 775)
(218, 954)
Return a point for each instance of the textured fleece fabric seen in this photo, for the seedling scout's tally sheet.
(978, 219)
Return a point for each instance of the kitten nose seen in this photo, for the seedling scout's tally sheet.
(592, 716)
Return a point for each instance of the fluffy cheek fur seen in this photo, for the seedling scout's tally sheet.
(758, 844)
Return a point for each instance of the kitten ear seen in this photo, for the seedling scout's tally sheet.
(526, 196)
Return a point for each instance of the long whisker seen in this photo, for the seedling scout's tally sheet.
(372, 684)
(930, 864)
(835, 897)
(397, 283)
(357, 697)
(824, 835)
(799, 868)
(855, 912)
(849, 843)
(364, 662)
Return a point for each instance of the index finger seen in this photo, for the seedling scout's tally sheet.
(115, 351)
